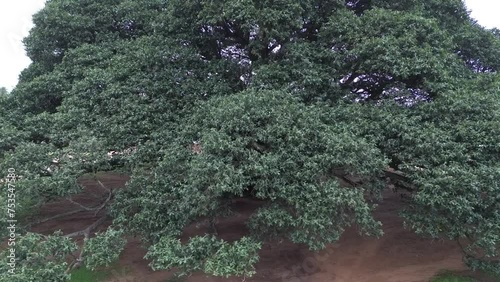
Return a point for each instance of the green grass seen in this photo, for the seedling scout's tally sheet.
(83, 274)
(448, 277)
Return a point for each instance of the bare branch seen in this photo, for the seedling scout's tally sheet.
(77, 262)
(400, 180)
(55, 217)
(97, 208)
(94, 195)
(80, 205)
(86, 232)
(103, 186)
(261, 148)
(104, 203)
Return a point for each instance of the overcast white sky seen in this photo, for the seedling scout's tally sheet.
(15, 23)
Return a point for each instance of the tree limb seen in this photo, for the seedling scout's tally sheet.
(86, 232)
(56, 217)
(103, 186)
(401, 180)
(98, 208)
(104, 203)
(77, 262)
(80, 205)
(258, 147)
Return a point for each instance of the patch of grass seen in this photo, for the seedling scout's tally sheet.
(449, 277)
(84, 274)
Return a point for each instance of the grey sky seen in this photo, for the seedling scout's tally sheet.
(15, 23)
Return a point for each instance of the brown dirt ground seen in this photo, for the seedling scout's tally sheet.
(398, 256)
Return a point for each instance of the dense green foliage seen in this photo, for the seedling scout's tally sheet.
(277, 97)
(3, 92)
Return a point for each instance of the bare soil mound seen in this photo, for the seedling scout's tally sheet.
(398, 256)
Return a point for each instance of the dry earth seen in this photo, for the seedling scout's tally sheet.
(398, 256)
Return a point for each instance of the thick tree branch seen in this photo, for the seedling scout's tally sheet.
(77, 262)
(258, 147)
(86, 232)
(401, 180)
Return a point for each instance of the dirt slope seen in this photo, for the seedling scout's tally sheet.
(399, 256)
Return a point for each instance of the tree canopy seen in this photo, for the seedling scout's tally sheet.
(277, 97)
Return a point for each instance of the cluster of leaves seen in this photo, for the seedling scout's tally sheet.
(263, 144)
(52, 257)
(103, 249)
(38, 257)
(206, 253)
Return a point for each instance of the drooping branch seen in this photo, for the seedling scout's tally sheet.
(400, 180)
(55, 217)
(86, 232)
(77, 262)
(462, 248)
(99, 208)
(82, 208)
(342, 174)
(80, 205)
(259, 147)
(103, 186)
